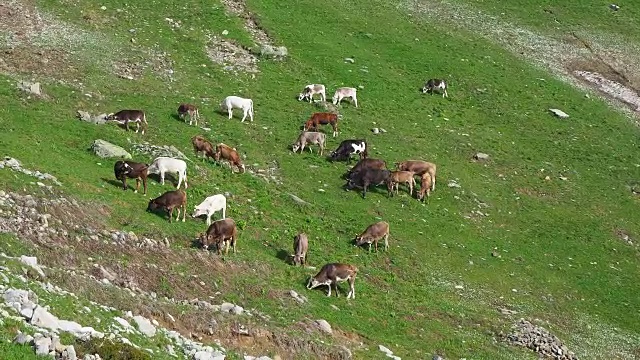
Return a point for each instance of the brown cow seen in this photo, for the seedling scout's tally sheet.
(322, 118)
(425, 186)
(230, 154)
(374, 233)
(133, 170)
(300, 247)
(218, 233)
(367, 163)
(191, 110)
(202, 145)
(126, 116)
(419, 167)
(398, 177)
(331, 274)
(169, 201)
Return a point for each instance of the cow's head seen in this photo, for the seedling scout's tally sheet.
(361, 240)
(425, 89)
(198, 211)
(295, 147)
(110, 116)
(152, 205)
(313, 283)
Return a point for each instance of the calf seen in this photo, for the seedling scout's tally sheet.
(210, 205)
(322, 118)
(312, 89)
(419, 167)
(331, 274)
(133, 170)
(202, 145)
(191, 110)
(398, 177)
(368, 177)
(345, 92)
(349, 147)
(425, 186)
(300, 247)
(218, 233)
(168, 201)
(231, 102)
(165, 164)
(435, 84)
(309, 137)
(127, 116)
(367, 163)
(230, 154)
(373, 233)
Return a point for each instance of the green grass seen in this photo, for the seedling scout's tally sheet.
(556, 238)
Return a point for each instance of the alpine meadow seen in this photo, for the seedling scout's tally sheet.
(527, 247)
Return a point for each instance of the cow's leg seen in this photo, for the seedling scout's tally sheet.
(244, 116)
(184, 212)
(364, 190)
(386, 241)
(352, 288)
(224, 209)
(329, 293)
(355, 101)
(179, 180)
(137, 185)
(162, 177)
(144, 184)
(209, 219)
(445, 93)
(171, 215)
(185, 180)
(124, 182)
(233, 244)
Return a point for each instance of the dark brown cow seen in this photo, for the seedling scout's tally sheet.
(191, 110)
(322, 118)
(133, 170)
(218, 233)
(127, 116)
(169, 201)
(368, 163)
(230, 154)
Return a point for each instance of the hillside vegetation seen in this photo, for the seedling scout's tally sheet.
(546, 229)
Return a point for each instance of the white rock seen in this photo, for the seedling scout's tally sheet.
(124, 323)
(23, 338)
(385, 349)
(69, 353)
(42, 345)
(559, 113)
(323, 326)
(225, 32)
(44, 319)
(349, 60)
(145, 326)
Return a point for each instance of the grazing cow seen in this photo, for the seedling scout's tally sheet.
(312, 89)
(163, 164)
(322, 118)
(202, 145)
(373, 233)
(231, 102)
(191, 110)
(300, 247)
(398, 177)
(127, 116)
(425, 186)
(435, 84)
(345, 92)
(169, 201)
(210, 205)
(367, 163)
(220, 232)
(133, 170)
(331, 274)
(419, 167)
(311, 138)
(368, 177)
(230, 154)
(349, 147)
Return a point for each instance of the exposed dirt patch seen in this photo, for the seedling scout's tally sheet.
(27, 60)
(233, 58)
(251, 22)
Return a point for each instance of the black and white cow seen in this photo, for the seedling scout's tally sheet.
(348, 148)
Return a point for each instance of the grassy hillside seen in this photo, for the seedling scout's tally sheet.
(558, 256)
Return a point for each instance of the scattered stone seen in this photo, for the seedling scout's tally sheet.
(22, 338)
(614, 7)
(15, 165)
(538, 339)
(273, 51)
(42, 345)
(453, 184)
(105, 149)
(323, 326)
(145, 326)
(29, 87)
(437, 357)
(349, 60)
(225, 32)
(481, 156)
(98, 119)
(69, 353)
(297, 200)
(376, 130)
(299, 298)
(559, 113)
(32, 261)
(155, 150)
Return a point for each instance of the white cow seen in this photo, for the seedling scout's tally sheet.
(210, 205)
(345, 92)
(163, 164)
(231, 102)
(312, 89)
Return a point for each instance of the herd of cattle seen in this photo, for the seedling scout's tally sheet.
(367, 172)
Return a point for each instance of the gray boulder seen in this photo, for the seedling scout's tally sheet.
(144, 325)
(29, 87)
(98, 119)
(559, 113)
(105, 149)
(273, 51)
